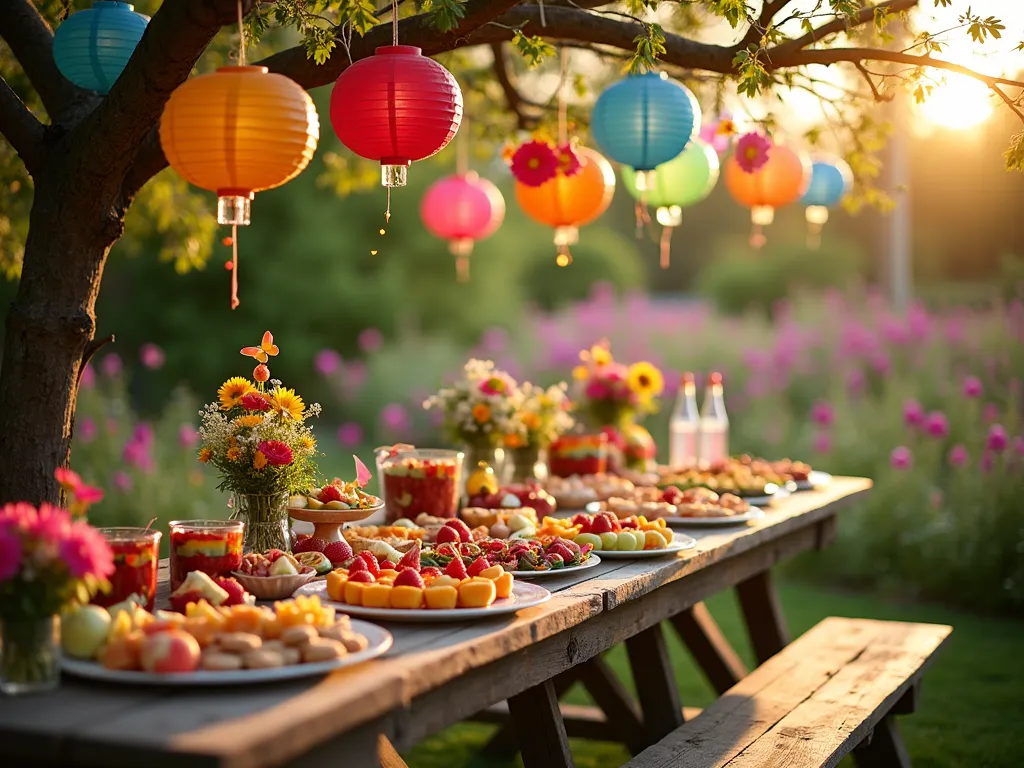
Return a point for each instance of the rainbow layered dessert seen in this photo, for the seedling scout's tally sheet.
(578, 455)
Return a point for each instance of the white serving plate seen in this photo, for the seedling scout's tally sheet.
(815, 480)
(524, 595)
(680, 541)
(380, 641)
(590, 563)
(713, 522)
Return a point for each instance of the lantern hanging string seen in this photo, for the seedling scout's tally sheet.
(666, 246)
(241, 37)
(462, 148)
(563, 125)
(234, 266)
(394, 41)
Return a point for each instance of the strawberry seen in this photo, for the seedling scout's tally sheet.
(274, 555)
(180, 602)
(467, 550)
(584, 521)
(312, 544)
(478, 566)
(447, 550)
(629, 523)
(430, 572)
(357, 564)
(462, 528)
(409, 577)
(387, 565)
(558, 548)
(456, 569)
(338, 552)
(601, 525)
(372, 564)
(554, 560)
(362, 577)
(448, 535)
(330, 493)
(613, 521)
(411, 559)
(236, 592)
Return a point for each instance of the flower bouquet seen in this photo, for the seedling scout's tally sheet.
(258, 439)
(617, 397)
(48, 560)
(543, 417)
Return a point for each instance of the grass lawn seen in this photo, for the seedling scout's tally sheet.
(972, 706)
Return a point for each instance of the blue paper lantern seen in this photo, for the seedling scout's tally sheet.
(645, 120)
(92, 47)
(830, 180)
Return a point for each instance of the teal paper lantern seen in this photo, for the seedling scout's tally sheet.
(831, 179)
(645, 120)
(92, 47)
(685, 180)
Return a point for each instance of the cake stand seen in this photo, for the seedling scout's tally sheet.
(327, 522)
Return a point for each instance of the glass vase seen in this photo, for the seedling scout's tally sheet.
(29, 655)
(266, 521)
(525, 464)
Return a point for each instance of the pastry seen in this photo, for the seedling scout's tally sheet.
(322, 649)
(263, 659)
(218, 661)
(299, 635)
(239, 642)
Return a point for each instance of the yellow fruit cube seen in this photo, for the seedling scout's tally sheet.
(336, 581)
(492, 573)
(354, 592)
(654, 540)
(377, 595)
(443, 597)
(387, 573)
(407, 597)
(503, 585)
(445, 581)
(477, 593)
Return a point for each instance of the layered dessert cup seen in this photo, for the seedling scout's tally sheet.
(578, 455)
(420, 481)
(136, 553)
(211, 546)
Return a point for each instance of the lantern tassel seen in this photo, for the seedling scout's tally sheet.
(462, 268)
(564, 258)
(643, 214)
(387, 211)
(234, 267)
(757, 238)
(666, 246)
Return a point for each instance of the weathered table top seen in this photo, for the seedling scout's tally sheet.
(88, 723)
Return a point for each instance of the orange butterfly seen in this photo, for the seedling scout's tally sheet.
(266, 347)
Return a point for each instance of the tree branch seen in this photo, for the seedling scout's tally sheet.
(768, 12)
(20, 127)
(512, 97)
(842, 23)
(31, 40)
(871, 83)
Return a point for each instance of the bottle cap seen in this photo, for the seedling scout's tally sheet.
(715, 378)
(687, 378)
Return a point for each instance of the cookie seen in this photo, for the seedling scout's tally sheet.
(216, 661)
(263, 659)
(239, 642)
(299, 635)
(354, 643)
(322, 649)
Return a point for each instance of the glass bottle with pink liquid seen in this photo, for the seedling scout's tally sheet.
(714, 423)
(684, 428)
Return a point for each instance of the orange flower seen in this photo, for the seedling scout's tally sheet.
(531, 420)
(205, 455)
(482, 413)
(260, 461)
(514, 440)
(234, 454)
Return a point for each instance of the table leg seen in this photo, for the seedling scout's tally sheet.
(504, 742)
(387, 755)
(655, 683)
(538, 724)
(711, 650)
(762, 612)
(885, 750)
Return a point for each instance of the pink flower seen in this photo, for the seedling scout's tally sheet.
(936, 424)
(255, 401)
(496, 385)
(996, 441)
(143, 434)
(913, 413)
(10, 552)
(122, 481)
(822, 442)
(1018, 445)
(327, 362)
(350, 433)
(151, 356)
(81, 495)
(370, 340)
(597, 390)
(86, 430)
(19, 515)
(67, 479)
(957, 456)
(855, 381)
(50, 525)
(112, 365)
(822, 414)
(972, 387)
(990, 412)
(86, 552)
(901, 458)
(752, 151)
(278, 454)
(987, 460)
(534, 163)
(88, 379)
(568, 161)
(188, 436)
(394, 417)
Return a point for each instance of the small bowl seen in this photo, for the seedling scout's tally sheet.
(273, 587)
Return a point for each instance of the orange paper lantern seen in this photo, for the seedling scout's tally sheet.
(238, 131)
(782, 180)
(568, 202)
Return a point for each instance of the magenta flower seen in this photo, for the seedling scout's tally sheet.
(913, 413)
(112, 365)
(188, 436)
(327, 362)
(143, 434)
(972, 387)
(88, 378)
(370, 340)
(901, 458)
(987, 460)
(752, 151)
(151, 356)
(394, 417)
(822, 414)
(255, 401)
(19, 516)
(822, 442)
(990, 412)
(957, 456)
(122, 481)
(597, 390)
(996, 441)
(10, 552)
(86, 552)
(936, 425)
(86, 430)
(350, 434)
(1018, 445)
(278, 454)
(534, 163)
(49, 525)
(568, 161)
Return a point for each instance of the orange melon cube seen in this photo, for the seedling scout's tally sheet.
(445, 581)
(477, 593)
(407, 597)
(442, 598)
(503, 585)
(377, 595)
(336, 581)
(354, 592)
(387, 573)
(492, 573)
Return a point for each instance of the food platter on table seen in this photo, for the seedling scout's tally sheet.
(380, 641)
(680, 542)
(590, 562)
(815, 480)
(752, 514)
(331, 506)
(524, 595)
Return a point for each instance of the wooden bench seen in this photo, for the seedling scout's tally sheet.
(833, 691)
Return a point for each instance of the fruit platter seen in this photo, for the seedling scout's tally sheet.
(207, 644)
(617, 538)
(332, 505)
(576, 491)
(703, 507)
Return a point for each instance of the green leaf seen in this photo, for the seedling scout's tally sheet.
(445, 15)
(359, 13)
(649, 46)
(733, 11)
(1014, 156)
(534, 49)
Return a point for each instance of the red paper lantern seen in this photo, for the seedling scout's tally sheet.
(461, 209)
(395, 107)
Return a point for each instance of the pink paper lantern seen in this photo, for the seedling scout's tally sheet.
(462, 208)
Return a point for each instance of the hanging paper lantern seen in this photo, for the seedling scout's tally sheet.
(685, 180)
(239, 131)
(830, 180)
(396, 107)
(644, 121)
(781, 180)
(568, 202)
(92, 47)
(462, 209)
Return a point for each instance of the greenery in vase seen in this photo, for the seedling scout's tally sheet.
(543, 417)
(256, 435)
(613, 393)
(480, 408)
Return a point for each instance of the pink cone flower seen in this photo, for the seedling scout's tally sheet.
(327, 362)
(350, 433)
(901, 458)
(112, 365)
(86, 552)
(85, 430)
(936, 425)
(151, 356)
(822, 414)
(122, 481)
(996, 441)
(370, 340)
(822, 442)
(972, 387)
(752, 151)
(913, 413)
(957, 456)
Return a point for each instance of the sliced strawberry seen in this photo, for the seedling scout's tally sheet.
(448, 535)
(456, 569)
(312, 544)
(362, 577)
(447, 550)
(584, 521)
(338, 552)
(478, 566)
(387, 565)
(430, 571)
(409, 577)
(463, 529)
(601, 525)
(274, 555)
(630, 523)
(372, 565)
(411, 559)
(330, 493)
(236, 592)
(357, 564)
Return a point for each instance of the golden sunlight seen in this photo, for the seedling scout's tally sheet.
(960, 102)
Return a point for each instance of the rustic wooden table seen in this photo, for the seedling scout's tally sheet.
(437, 675)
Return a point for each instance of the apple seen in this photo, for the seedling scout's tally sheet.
(524, 533)
(84, 630)
(170, 651)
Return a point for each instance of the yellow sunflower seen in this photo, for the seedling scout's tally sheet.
(232, 391)
(234, 454)
(645, 380)
(287, 403)
(205, 455)
(249, 421)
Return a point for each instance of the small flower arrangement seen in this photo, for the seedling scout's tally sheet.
(543, 418)
(614, 393)
(537, 161)
(480, 409)
(256, 434)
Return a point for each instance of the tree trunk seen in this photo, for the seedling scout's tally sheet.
(48, 330)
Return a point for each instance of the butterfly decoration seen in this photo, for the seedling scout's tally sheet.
(266, 347)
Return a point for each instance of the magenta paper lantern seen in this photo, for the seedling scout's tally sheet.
(462, 208)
